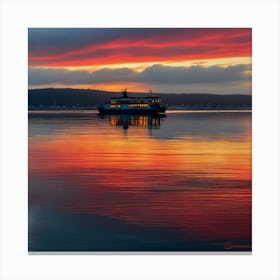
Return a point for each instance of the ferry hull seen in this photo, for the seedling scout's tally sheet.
(112, 111)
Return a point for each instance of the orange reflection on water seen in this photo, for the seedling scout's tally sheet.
(215, 159)
(200, 186)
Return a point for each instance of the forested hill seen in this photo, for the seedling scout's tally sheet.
(49, 98)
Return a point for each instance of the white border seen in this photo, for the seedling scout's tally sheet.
(17, 16)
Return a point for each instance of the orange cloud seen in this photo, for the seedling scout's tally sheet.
(145, 46)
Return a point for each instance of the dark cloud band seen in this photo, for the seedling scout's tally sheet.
(156, 74)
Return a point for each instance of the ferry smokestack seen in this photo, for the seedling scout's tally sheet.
(125, 93)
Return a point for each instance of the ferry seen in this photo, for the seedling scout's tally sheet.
(132, 105)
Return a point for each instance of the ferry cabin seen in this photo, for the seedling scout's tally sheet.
(134, 103)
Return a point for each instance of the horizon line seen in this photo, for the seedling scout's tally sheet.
(135, 92)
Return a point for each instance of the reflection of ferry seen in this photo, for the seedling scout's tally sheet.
(132, 105)
(150, 121)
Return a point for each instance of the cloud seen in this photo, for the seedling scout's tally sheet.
(97, 46)
(155, 75)
(194, 74)
(37, 76)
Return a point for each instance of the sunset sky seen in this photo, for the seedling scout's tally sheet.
(175, 60)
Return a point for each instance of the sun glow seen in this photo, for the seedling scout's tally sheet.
(140, 66)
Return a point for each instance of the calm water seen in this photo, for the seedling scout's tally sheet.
(130, 183)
